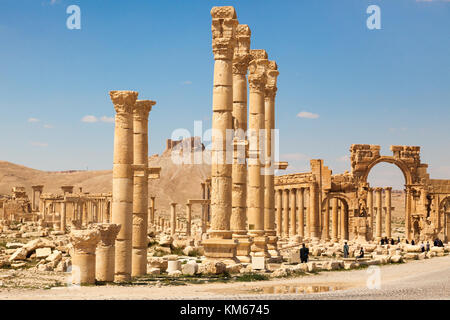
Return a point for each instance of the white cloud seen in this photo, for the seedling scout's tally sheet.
(107, 119)
(307, 115)
(186, 83)
(89, 119)
(33, 120)
(48, 126)
(39, 144)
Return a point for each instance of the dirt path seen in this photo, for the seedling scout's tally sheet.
(424, 279)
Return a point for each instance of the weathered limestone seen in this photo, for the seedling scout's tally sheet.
(326, 221)
(301, 213)
(334, 219)
(84, 243)
(255, 194)
(189, 219)
(293, 211)
(220, 244)
(370, 210)
(152, 210)
(63, 216)
(279, 206)
(388, 203)
(314, 211)
(140, 187)
(378, 200)
(122, 202)
(286, 213)
(105, 252)
(269, 185)
(173, 218)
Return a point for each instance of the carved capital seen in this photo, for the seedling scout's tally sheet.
(242, 56)
(223, 27)
(271, 82)
(123, 101)
(108, 233)
(257, 71)
(84, 241)
(142, 108)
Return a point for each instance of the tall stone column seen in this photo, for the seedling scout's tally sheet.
(84, 243)
(173, 218)
(141, 111)
(285, 230)
(279, 206)
(238, 221)
(378, 200)
(344, 223)
(301, 213)
(408, 207)
(314, 212)
(255, 202)
(334, 219)
(189, 219)
(308, 215)
(269, 183)
(105, 252)
(326, 221)
(293, 211)
(152, 210)
(370, 210)
(63, 216)
(388, 203)
(122, 198)
(220, 244)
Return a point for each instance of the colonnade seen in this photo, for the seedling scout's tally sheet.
(376, 208)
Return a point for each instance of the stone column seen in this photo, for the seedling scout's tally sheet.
(241, 59)
(220, 244)
(308, 215)
(293, 211)
(122, 200)
(388, 203)
(269, 183)
(334, 219)
(285, 213)
(152, 210)
(301, 213)
(408, 206)
(378, 200)
(279, 206)
(370, 210)
(105, 252)
(314, 212)
(173, 218)
(84, 243)
(255, 203)
(344, 223)
(63, 216)
(189, 219)
(141, 111)
(326, 221)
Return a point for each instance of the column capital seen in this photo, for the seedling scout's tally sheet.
(388, 188)
(108, 233)
(84, 240)
(257, 71)
(123, 100)
(271, 83)
(378, 189)
(242, 56)
(223, 27)
(142, 108)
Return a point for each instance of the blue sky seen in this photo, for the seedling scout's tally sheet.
(388, 86)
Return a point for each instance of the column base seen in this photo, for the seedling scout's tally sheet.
(259, 246)
(220, 248)
(272, 248)
(243, 247)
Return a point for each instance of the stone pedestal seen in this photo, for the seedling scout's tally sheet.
(122, 197)
(105, 252)
(84, 243)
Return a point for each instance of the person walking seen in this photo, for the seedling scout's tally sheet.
(428, 246)
(304, 253)
(346, 249)
(422, 247)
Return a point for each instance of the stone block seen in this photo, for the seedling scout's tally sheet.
(43, 253)
(189, 268)
(173, 265)
(212, 267)
(258, 263)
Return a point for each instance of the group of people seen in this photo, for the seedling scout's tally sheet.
(304, 251)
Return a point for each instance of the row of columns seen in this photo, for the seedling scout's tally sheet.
(375, 209)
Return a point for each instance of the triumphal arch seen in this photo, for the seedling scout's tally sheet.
(304, 200)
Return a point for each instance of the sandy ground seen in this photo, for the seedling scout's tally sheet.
(420, 279)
